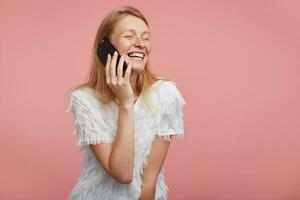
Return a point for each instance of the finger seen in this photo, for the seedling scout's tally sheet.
(113, 68)
(120, 68)
(107, 68)
(127, 72)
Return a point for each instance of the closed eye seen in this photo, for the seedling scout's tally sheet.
(128, 36)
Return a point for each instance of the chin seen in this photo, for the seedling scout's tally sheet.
(138, 67)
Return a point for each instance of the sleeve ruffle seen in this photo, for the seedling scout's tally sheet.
(170, 122)
(89, 125)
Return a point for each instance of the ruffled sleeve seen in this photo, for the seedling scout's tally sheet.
(90, 126)
(170, 121)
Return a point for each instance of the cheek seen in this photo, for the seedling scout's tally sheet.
(122, 46)
(148, 48)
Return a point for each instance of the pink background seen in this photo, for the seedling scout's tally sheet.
(236, 64)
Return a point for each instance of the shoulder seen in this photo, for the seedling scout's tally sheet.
(82, 93)
(84, 96)
(165, 87)
(166, 91)
(85, 100)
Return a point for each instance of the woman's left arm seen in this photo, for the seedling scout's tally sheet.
(155, 162)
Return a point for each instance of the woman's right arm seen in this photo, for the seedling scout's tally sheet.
(122, 155)
(118, 158)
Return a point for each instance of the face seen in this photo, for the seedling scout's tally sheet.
(131, 37)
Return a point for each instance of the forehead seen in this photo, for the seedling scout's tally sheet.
(131, 22)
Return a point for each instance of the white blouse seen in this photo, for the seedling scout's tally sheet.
(95, 123)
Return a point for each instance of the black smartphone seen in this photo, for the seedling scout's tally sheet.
(106, 47)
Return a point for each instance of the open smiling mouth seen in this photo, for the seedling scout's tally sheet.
(136, 56)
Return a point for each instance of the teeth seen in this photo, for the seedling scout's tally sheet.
(140, 55)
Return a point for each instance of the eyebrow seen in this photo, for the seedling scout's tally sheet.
(132, 30)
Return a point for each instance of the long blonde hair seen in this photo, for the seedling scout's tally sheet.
(96, 80)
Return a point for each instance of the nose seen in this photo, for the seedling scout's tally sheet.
(138, 42)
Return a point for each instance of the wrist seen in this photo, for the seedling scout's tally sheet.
(126, 106)
(148, 191)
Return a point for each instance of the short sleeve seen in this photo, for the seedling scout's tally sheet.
(89, 124)
(170, 121)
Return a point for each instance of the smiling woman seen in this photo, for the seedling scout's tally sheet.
(124, 125)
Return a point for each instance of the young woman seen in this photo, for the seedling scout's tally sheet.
(124, 124)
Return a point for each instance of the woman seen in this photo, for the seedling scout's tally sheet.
(124, 124)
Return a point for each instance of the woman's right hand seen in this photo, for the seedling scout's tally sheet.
(120, 85)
